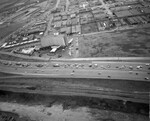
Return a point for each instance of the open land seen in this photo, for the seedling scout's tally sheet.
(125, 43)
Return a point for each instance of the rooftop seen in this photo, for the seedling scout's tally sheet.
(50, 40)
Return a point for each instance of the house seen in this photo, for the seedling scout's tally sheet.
(57, 24)
(74, 21)
(64, 17)
(57, 18)
(63, 30)
(68, 30)
(73, 15)
(64, 23)
(73, 29)
(78, 28)
(68, 22)
(131, 20)
(134, 12)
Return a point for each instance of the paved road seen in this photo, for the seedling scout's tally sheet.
(106, 79)
(136, 71)
(67, 5)
(58, 1)
(50, 18)
(106, 7)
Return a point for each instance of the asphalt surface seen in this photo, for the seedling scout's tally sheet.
(136, 71)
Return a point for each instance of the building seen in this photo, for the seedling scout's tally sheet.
(73, 29)
(64, 17)
(68, 30)
(64, 23)
(50, 40)
(74, 21)
(57, 18)
(131, 20)
(68, 22)
(63, 30)
(123, 13)
(78, 28)
(36, 29)
(57, 24)
(73, 15)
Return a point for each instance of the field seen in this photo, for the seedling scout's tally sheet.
(127, 43)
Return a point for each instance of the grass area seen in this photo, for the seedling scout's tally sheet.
(127, 43)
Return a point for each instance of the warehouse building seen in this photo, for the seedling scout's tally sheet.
(49, 40)
(123, 13)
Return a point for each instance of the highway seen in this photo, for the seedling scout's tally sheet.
(123, 80)
(136, 71)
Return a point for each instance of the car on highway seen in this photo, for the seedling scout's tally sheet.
(56, 65)
(39, 65)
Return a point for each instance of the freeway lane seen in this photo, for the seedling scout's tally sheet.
(136, 71)
(81, 73)
(106, 79)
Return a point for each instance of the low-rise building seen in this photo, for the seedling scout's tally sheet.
(49, 40)
(64, 23)
(134, 12)
(74, 21)
(73, 15)
(123, 13)
(100, 16)
(63, 30)
(78, 28)
(64, 17)
(131, 20)
(68, 30)
(73, 29)
(68, 22)
(57, 24)
(83, 21)
(57, 18)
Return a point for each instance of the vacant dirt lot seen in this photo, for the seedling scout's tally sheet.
(63, 108)
(89, 28)
(127, 43)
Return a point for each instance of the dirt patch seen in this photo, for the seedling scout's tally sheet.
(9, 116)
(56, 108)
(116, 44)
(89, 28)
(9, 29)
(13, 58)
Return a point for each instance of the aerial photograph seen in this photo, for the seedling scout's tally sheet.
(74, 60)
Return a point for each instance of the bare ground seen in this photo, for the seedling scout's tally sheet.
(126, 43)
(62, 108)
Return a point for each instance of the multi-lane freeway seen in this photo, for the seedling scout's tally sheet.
(125, 79)
(136, 71)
